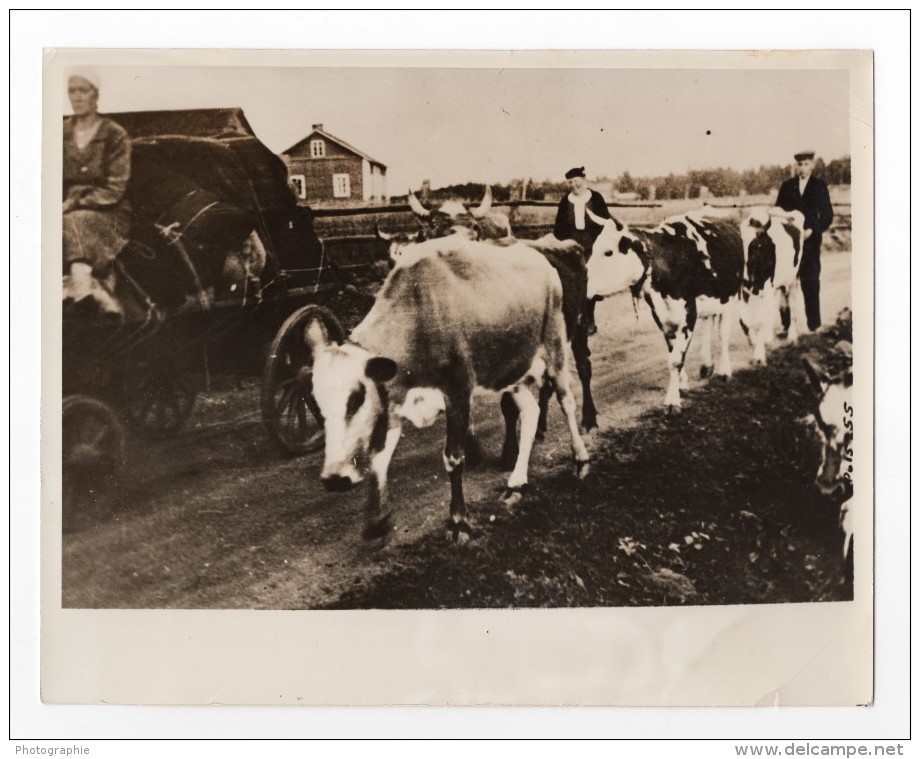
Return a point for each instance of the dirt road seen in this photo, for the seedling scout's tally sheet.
(216, 518)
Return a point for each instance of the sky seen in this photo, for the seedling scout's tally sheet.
(492, 125)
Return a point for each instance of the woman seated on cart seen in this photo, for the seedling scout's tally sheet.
(96, 214)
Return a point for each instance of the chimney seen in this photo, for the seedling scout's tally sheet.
(318, 128)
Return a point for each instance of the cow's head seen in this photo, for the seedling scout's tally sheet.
(443, 220)
(759, 251)
(617, 261)
(833, 424)
(349, 386)
(764, 234)
(397, 242)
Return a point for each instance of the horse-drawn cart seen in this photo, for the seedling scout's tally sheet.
(222, 273)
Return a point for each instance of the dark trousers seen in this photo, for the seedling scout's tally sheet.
(810, 279)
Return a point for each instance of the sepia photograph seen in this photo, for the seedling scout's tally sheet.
(461, 333)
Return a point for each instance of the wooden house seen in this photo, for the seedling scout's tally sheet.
(326, 170)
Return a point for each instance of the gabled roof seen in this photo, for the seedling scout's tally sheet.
(339, 141)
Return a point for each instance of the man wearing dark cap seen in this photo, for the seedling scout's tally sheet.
(573, 223)
(809, 195)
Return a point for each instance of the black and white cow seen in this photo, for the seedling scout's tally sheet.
(772, 241)
(688, 267)
(454, 318)
(832, 423)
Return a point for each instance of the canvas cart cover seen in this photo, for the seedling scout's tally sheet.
(205, 175)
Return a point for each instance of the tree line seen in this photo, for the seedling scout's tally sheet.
(719, 182)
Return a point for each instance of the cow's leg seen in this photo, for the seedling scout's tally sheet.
(557, 368)
(377, 509)
(756, 308)
(546, 392)
(705, 347)
(458, 422)
(473, 450)
(529, 411)
(567, 402)
(582, 353)
(678, 332)
(787, 314)
(510, 447)
(725, 333)
(782, 302)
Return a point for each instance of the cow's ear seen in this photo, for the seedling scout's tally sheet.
(816, 377)
(380, 369)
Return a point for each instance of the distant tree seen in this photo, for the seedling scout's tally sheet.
(838, 171)
(820, 168)
(625, 183)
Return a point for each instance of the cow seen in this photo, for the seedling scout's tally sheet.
(772, 240)
(457, 318)
(567, 257)
(689, 266)
(832, 424)
(440, 221)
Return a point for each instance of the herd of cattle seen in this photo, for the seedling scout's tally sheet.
(466, 305)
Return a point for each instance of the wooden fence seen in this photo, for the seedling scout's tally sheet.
(351, 242)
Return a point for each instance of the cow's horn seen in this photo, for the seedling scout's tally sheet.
(382, 235)
(486, 204)
(417, 208)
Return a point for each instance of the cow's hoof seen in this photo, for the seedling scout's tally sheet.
(705, 371)
(672, 409)
(589, 424)
(377, 528)
(782, 335)
(513, 496)
(582, 469)
(459, 532)
(723, 377)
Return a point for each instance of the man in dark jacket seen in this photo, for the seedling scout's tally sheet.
(573, 223)
(809, 195)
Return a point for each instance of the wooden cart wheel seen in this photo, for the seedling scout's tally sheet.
(158, 402)
(291, 415)
(93, 441)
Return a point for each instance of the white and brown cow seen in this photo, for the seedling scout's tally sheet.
(568, 259)
(457, 318)
(688, 267)
(772, 241)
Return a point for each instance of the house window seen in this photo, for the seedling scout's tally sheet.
(341, 186)
(299, 185)
(317, 148)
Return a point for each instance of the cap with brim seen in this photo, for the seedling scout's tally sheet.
(804, 155)
(87, 73)
(576, 172)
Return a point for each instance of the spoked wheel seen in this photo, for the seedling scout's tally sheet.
(93, 441)
(158, 402)
(289, 411)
